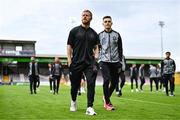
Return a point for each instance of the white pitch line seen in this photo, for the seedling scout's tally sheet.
(150, 102)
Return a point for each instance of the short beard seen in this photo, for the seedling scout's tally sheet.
(86, 23)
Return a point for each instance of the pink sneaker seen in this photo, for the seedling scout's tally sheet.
(109, 106)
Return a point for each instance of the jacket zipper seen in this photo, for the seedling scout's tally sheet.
(110, 46)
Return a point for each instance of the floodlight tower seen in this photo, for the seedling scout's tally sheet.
(161, 24)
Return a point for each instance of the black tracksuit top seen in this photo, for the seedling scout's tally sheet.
(83, 41)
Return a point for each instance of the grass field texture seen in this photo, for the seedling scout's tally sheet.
(16, 102)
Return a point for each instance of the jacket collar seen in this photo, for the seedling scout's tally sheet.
(109, 31)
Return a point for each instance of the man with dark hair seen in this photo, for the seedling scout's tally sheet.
(123, 78)
(159, 77)
(38, 83)
(168, 68)
(134, 76)
(56, 72)
(50, 77)
(82, 52)
(33, 74)
(82, 86)
(141, 76)
(110, 60)
(109, 17)
(153, 77)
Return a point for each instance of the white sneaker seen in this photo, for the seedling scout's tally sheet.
(164, 89)
(37, 89)
(141, 91)
(172, 95)
(117, 92)
(73, 106)
(132, 90)
(90, 111)
(137, 90)
(82, 90)
(51, 91)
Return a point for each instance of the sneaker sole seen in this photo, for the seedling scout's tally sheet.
(73, 110)
(110, 109)
(91, 114)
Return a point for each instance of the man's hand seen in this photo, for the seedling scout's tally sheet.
(69, 63)
(96, 52)
(69, 54)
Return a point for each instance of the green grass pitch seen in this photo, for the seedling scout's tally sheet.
(16, 102)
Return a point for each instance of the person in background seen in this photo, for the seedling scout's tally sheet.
(50, 77)
(153, 77)
(122, 76)
(38, 83)
(141, 76)
(159, 78)
(56, 72)
(82, 86)
(134, 76)
(173, 85)
(66, 76)
(33, 74)
(168, 68)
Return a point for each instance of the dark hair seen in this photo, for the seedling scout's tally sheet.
(168, 53)
(107, 17)
(88, 12)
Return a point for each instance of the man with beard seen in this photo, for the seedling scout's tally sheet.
(82, 52)
(33, 74)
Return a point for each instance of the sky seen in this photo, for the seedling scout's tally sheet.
(49, 22)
